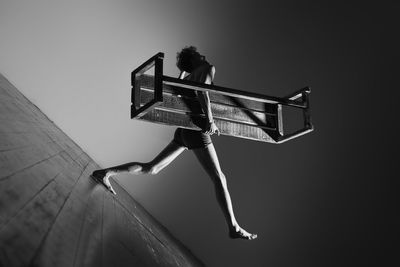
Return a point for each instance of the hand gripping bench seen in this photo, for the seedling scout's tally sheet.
(171, 101)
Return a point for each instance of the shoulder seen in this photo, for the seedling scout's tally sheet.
(207, 67)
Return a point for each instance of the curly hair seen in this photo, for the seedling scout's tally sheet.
(186, 57)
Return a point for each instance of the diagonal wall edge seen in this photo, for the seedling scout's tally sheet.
(53, 214)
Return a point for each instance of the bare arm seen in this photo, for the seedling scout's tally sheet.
(182, 75)
(205, 104)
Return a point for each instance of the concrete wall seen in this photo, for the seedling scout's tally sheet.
(53, 214)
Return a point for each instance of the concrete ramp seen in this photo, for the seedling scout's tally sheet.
(53, 214)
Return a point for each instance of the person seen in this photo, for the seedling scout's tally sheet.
(193, 67)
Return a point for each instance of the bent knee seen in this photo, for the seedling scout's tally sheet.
(154, 171)
(220, 178)
(151, 169)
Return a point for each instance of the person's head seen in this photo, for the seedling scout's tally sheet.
(188, 59)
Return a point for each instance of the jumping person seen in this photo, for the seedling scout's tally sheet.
(190, 62)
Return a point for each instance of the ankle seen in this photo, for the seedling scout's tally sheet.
(235, 228)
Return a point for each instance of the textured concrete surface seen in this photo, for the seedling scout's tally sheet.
(53, 214)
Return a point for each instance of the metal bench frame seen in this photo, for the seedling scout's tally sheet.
(298, 99)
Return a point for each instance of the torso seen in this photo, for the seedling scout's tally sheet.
(198, 75)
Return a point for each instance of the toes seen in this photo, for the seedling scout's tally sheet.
(101, 177)
(252, 237)
(112, 191)
(109, 187)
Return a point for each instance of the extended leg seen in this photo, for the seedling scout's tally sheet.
(166, 156)
(209, 160)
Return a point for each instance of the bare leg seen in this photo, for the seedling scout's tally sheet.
(166, 156)
(209, 160)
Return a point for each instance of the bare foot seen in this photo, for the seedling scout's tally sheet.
(101, 176)
(241, 233)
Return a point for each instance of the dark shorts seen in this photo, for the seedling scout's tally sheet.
(191, 139)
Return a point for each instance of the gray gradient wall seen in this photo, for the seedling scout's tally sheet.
(322, 199)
